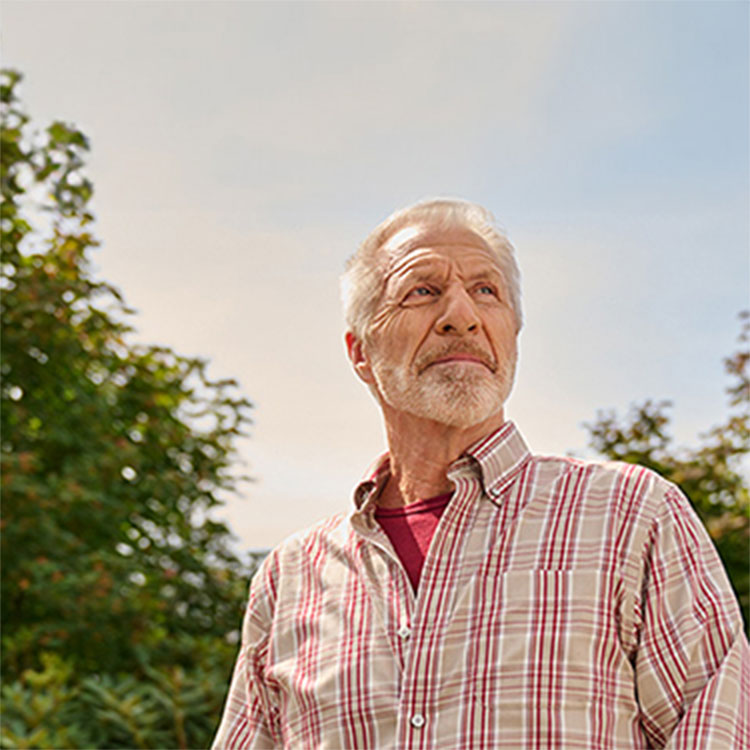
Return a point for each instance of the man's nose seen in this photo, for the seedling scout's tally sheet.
(459, 314)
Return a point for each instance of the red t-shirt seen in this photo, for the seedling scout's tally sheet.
(410, 529)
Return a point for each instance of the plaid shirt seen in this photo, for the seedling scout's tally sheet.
(562, 604)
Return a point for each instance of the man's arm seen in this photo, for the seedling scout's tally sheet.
(693, 663)
(249, 719)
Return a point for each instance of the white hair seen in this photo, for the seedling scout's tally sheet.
(363, 281)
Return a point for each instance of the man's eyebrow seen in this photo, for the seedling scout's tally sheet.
(416, 275)
(427, 272)
(422, 273)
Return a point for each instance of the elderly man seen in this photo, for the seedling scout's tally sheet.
(479, 596)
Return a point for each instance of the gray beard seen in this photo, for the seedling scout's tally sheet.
(455, 396)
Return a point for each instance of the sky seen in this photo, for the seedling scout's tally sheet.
(242, 150)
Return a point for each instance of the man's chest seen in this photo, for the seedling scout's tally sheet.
(487, 648)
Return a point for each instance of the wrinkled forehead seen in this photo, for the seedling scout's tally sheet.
(408, 245)
(417, 237)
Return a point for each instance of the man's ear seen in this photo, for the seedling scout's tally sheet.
(358, 358)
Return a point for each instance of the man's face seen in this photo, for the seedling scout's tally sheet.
(442, 342)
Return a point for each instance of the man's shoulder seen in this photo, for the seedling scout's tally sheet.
(302, 559)
(332, 531)
(599, 468)
(623, 484)
(629, 503)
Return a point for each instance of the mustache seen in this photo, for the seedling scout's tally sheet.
(430, 357)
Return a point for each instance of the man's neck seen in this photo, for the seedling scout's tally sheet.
(421, 451)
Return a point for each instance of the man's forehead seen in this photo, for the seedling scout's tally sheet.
(406, 245)
(424, 235)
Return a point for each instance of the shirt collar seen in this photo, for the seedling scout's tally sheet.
(495, 460)
(375, 478)
(501, 456)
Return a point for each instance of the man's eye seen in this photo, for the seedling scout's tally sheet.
(421, 291)
(485, 289)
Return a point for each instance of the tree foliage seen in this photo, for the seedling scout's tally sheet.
(713, 475)
(120, 594)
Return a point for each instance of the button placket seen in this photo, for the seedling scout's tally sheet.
(429, 617)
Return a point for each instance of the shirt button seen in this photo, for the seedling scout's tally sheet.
(417, 721)
(404, 631)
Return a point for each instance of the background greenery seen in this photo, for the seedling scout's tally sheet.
(121, 598)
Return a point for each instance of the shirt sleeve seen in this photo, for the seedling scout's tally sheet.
(693, 663)
(250, 718)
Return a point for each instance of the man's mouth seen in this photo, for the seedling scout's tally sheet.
(458, 358)
(461, 358)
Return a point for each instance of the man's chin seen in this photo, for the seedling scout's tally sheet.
(458, 406)
(460, 397)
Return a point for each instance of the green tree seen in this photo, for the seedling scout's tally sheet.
(713, 475)
(114, 455)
